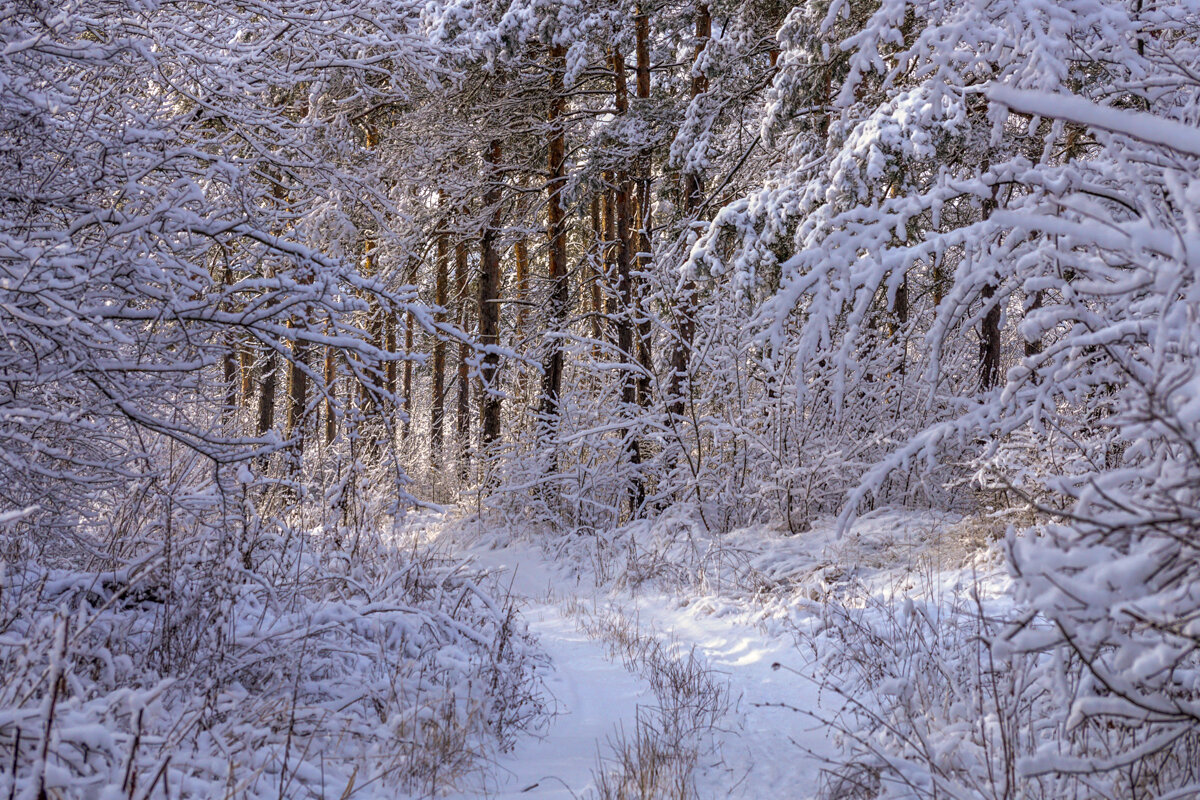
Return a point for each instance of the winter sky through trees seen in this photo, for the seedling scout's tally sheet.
(610, 399)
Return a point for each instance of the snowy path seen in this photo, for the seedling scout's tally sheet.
(594, 695)
(761, 751)
(762, 754)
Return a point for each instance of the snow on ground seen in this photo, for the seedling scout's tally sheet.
(768, 747)
(770, 744)
(593, 694)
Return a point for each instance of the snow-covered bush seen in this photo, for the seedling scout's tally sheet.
(937, 702)
(986, 272)
(1116, 570)
(184, 204)
(320, 673)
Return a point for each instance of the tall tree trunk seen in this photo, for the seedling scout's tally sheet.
(270, 370)
(297, 402)
(644, 217)
(384, 336)
(989, 333)
(989, 343)
(609, 263)
(938, 278)
(596, 258)
(556, 236)
(489, 303)
(462, 285)
(901, 312)
(437, 405)
(266, 398)
(521, 254)
(229, 361)
(374, 382)
(229, 369)
(330, 394)
(297, 392)
(693, 197)
(246, 368)
(297, 384)
(407, 384)
(625, 291)
(377, 324)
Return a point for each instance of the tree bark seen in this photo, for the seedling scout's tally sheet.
(229, 362)
(266, 398)
(462, 284)
(246, 368)
(901, 313)
(437, 405)
(644, 217)
(989, 333)
(330, 394)
(556, 238)
(989, 344)
(609, 262)
(407, 384)
(693, 197)
(521, 255)
(596, 257)
(297, 392)
(489, 303)
(625, 292)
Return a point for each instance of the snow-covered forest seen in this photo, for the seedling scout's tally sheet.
(600, 399)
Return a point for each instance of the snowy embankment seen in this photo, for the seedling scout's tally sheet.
(750, 607)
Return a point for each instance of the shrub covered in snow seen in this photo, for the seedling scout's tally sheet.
(325, 675)
(938, 702)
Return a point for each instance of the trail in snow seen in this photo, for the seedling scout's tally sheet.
(771, 747)
(765, 747)
(593, 695)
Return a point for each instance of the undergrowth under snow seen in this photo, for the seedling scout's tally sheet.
(332, 675)
(912, 669)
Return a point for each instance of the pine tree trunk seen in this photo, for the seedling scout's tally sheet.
(938, 278)
(462, 285)
(596, 257)
(609, 262)
(246, 367)
(693, 197)
(556, 239)
(407, 385)
(266, 398)
(644, 217)
(900, 310)
(625, 291)
(330, 394)
(437, 405)
(489, 303)
(297, 392)
(989, 343)
(229, 364)
(373, 382)
(229, 370)
(989, 333)
(521, 254)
